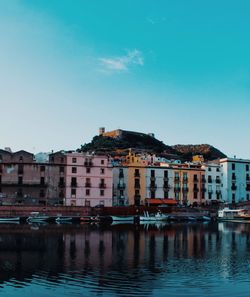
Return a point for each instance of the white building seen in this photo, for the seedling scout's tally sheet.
(213, 177)
(235, 180)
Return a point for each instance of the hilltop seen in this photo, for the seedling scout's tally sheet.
(119, 141)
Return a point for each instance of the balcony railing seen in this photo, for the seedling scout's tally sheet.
(196, 190)
(218, 181)
(209, 180)
(203, 179)
(233, 177)
(184, 189)
(137, 174)
(166, 186)
(121, 186)
(73, 185)
(177, 189)
(61, 185)
(88, 185)
(218, 192)
(153, 186)
(102, 186)
(203, 190)
(185, 180)
(248, 188)
(137, 186)
(233, 187)
(176, 179)
(165, 179)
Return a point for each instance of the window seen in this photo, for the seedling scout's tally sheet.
(209, 169)
(62, 160)
(233, 198)
(152, 173)
(52, 159)
(247, 196)
(61, 181)
(1, 158)
(218, 169)
(61, 169)
(73, 192)
(166, 195)
(88, 170)
(73, 160)
(73, 182)
(87, 192)
(247, 167)
(20, 180)
(42, 180)
(21, 158)
(233, 166)
(202, 195)
(152, 194)
(101, 192)
(87, 203)
(74, 169)
(42, 168)
(102, 171)
(210, 179)
(102, 162)
(165, 174)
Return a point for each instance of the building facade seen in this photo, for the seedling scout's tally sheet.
(89, 180)
(235, 180)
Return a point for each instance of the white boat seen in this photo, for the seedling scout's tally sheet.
(153, 217)
(227, 214)
(62, 219)
(36, 217)
(10, 220)
(122, 218)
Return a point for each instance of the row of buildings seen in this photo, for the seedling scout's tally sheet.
(82, 179)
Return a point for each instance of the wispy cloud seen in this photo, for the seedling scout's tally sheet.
(122, 63)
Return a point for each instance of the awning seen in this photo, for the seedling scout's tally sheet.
(161, 201)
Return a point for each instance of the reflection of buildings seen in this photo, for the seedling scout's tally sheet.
(113, 257)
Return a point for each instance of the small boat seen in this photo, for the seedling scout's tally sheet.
(10, 220)
(227, 214)
(122, 218)
(88, 219)
(63, 219)
(153, 217)
(36, 217)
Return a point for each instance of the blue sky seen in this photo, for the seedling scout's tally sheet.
(180, 69)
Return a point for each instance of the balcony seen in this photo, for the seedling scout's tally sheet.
(61, 185)
(102, 186)
(209, 180)
(218, 181)
(137, 186)
(218, 192)
(165, 179)
(121, 175)
(210, 191)
(176, 179)
(152, 178)
(177, 189)
(73, 185)
(185, 180)
(185, 190)
(87, 185)
(88, 163)
(248, 188)
(195, 180)
(233, 187)
(153, 186)
(137, 174)
(23, 184)
(166, 186)
(121, 186)
(203, 179)
(234, 177)
(196, 190)
(203, 189)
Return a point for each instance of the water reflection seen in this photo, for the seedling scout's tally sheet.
(126, 260)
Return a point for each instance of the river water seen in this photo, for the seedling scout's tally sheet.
(178, 259)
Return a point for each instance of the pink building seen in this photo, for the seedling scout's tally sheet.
(89, 180)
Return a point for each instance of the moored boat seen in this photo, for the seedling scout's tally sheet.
(227, 214)
(154, 217)
(122, 218)
(63, 219)
(36, 217)
(9, 219)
